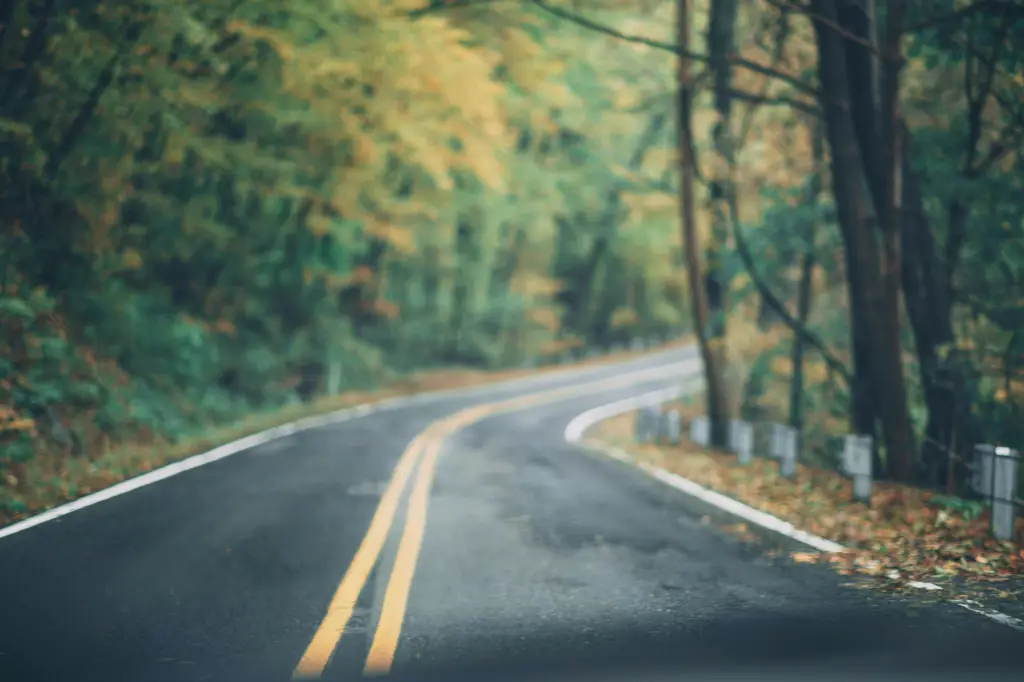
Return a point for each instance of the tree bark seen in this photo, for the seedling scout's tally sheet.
(901, 447)
(721, 40)
(804, 290)
(717, 407)
(927, 295)
(872, 273)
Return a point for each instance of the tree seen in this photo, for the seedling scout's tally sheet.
(872, 269)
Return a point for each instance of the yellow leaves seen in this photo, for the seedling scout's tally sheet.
(623, 317)
(337, 68)
(481, 160)
(384, 308)
(522, 57)
(226, 327)
(532, 284)
(275, 39)
(174, 149)
(334, 283)
(320, 225)
(131, 259)
(546, 318)
(361, 275)
(650, 206)
(815, 370)
(782, 365)
(10, 420)
(399, 237)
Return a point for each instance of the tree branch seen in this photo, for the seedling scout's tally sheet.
(439, 5)
(776, 100)
(808, 337)
(964, 13)
(597, 27)
(825, 21)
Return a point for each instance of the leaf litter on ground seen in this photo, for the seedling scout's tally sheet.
(905, 539)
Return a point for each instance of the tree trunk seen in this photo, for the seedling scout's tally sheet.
(804, 291)
(873, 282)
(721, 41)
(928, 298)
(717, 407)
(901, 448)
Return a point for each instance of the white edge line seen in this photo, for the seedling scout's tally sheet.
(306, 423)
(202, 458)
(576, 428)
(997, 616)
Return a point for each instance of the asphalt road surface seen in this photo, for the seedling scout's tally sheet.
(511, 554)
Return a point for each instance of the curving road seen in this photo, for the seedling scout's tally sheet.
(509, 552)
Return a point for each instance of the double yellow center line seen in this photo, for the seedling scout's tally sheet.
(424, 451)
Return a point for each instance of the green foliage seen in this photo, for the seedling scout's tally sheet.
(220, 207)
(968, 509)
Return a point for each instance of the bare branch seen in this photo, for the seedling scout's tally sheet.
(824, 21)
(597, 27)
(773, 302)
(441, 5)
(776, 100)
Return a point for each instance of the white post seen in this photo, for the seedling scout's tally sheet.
(1004, 492)
(641, 427)
(672, 426)
(857, 464)
(783, 446)
(700, 430)
(741, 438)
(983, 469)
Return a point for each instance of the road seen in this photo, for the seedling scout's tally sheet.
(512, 552)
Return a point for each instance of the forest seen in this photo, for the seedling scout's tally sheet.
(217, 208)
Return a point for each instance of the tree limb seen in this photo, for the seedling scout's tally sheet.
(597, 27)
(808, 337)
(438, 5)
(825, 21)
(964, 13)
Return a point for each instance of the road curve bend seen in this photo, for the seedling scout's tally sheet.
(456, 536)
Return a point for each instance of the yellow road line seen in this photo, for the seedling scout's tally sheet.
(430, 442)
(396, 597)
(320, 649)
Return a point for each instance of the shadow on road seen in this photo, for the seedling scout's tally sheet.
(888, 644)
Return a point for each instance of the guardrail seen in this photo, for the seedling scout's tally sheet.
(994, 469)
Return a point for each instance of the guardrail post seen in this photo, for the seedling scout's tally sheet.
(671, 426)
(995, 477)
(700, 430)
(857, 465)
(783, 446)
(982, 469)
(647, 419)
(741, 440)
